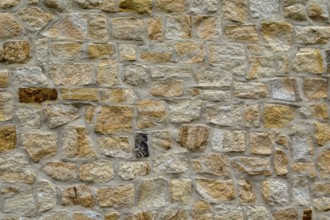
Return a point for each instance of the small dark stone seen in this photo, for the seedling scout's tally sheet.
(328, 55)
(37, 95)
(308, 213)
(141, 145)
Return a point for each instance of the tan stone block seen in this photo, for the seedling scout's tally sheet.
(215, 164)
(7, 138)
(35, 18)
(111, 216)
(137, 6)
(250, 90)
(117, 196)
(107, 72)
(156, 53)
(127, 52)
(228, 141)
(295, 12)
(4, 79)
(63, 171)
(223, 115)
(175, 213)
(90, 94)
(100, 50)
(252, 165)
(207, 27)
(170, 6)
(155, 28)
(100, 171)
(193, 138)
(317, 11)
(313, 35)
(98, 26)
(59, 114)
(286, 213)
(246, 191)
(130, 170)
(278, 35)
(323, 163)
(261, 67)
(67, 50)
(322, 133)
(280, 162)
(9, 26)
(235, 10)
(188, 52)
(119, 95)
(150, 113)
(251, 116)
(309, 60)
(126, 28)
(115, 147)
(277, 116)
(135, 75)
(305, 169)
(178, 27)
(201, 210)
(167, 88)
(181, 191)
(161, 140)
(215, 190)
(144, 215)
(242, 33)
(261, 143)
(15, 52)
(315, 88)
(8, 3)
(78, 195)
(152, 193)
(36, 95)
(275, 191)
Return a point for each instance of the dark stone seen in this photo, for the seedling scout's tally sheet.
(307, 215)
(37, 95)
(328, 55)
(141, 145)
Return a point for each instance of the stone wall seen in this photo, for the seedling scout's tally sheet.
(164, 109)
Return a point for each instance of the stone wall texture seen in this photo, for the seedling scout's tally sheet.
(164, 109)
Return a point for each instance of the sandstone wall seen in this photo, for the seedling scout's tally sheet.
(164, 109)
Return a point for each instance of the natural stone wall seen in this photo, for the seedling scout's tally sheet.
(164, 109)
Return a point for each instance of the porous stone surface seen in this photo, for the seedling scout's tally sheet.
(164, 109)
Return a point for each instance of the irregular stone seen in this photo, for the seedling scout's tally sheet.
(29, 117)
(40, 145)
(295, 12)
(60, 214)
(257, 212)
(90, 111)
(207, 79)
(278, 35)
(99, 50)
(14, 168)
(150, 113)
(302, 147)
(4, 79)
(111, 216)
(87, 215)
(22, 202)
(148, 215)
(280, 162)
(66, 51)
(135, 6)
(63, 171)
(175, 213)
(70, 27)
(251, 116)
(285, 213)
(126, 28)
(323, 163)
(90, 94)
(313, 35)
(105, 5)
(322, 132)
(215, 164)
(115, 147)
(8, 3)
(207, 27)
(15, 52)
(41, 51)
(152, 193)
(36, 95)
(252, 165)
(308, 60)
(167, 88)
(216, 95)
(263, 9)
(178, 27)
(135, 75)
(170, 71)
(305, 169)
(321, 188)
(262, 143)
(193, 138)
(318, 11)
(155, 28)
(250, 90)
(307, 214)
(215, 190)
(261, 67)
(171, 162)
(141, 145)
(284, 89)
(9, 26)
(161, 140)
(198, 7)
(156, 53)
(131, 170)
(60, 114)
(275, 191)
(77, 143)
(98, 27)
(201, 210)
(223, 115)
(300, 191)
(6, 106)
(7, 138)
(47, 197)
(228, 212)
(322, 204)
(315, 88)
(170, 6)
(78, 195)
(277, 116)
(246, 191)
(181, 191)
(119, 95)
(117, 196)
(114, 119)
(235, 10)
(319, 111)
(184, 110)
(35, 18)
(188, 52)
(127, 52)
(97, 171)
(29, 76)
(59, 5)
(107, 73)
(72, 73)
(242, 33)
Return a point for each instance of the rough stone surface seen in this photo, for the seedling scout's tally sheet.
(277, 116)
(193, 137)
(118, 196)
(59, 114)
(152, 193)
(130, 170)
(96, 172)
(252, 165)
(228, 141)
(78, 195)
(215, 190)
(115, 147)
(15, 52)
(215, 164)
(309, 60)
(71, 74)
(60, 170)
(275, 191)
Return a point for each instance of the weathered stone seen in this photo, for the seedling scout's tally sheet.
(14, 168)
(36, 95)
(78, 195)
(60, 5)
(323, 163)
(87, 215)
(171, 162)
(201, 210)
(107, 73)
(170, 6)
(15, 52)
(47, 197)
(66, 51)
(29, 117)
(170, 71)
(215, 190)
(90, 94)
(251, 90)
(152, 193)
(235, 10)
(181, 191)
(96, 171)
(119, 95)
(114, 119)
(302, 147)
(60, 214)
(126, 28)
(70, 27)
(111, 216)
(228, 212)
(193, 138)
(322, 204)
(262, 143)
(161, 140)
(198, 7)
(319, 111)
(155, 28)
(137, 6)
(251, 116)
(278, 35)
(29, 76)
(207, 79)
(118, 196)
(188, 52)
(216, 164)
(207, 27)
(216, 95)
(305, 169)
(76, 143)
(22, 202)
(252, 165)
(72, 73)
(315, 88)
(105, 5)
(285, 213)
(257, 212)
(150, 113)
(34, 18)
(98, 27)
(264, 8)
(40, 145)
(178, 27)
(261, 67)
(246, 191)
(141, 145)
(228, 141)
(280, 162)
(277, 116)
(242, 33)
(284, 89)
(156, 53)
(130, 170)
(127, 52)
(59, 114)
(167, 88)
(322, 133)
(309, 60)
(300, 191)
(174, 212)
(7, 138)
(90, 111)
(8, 3)
(307, 214)
(135, 75)
(321, 188)
(103, 50)
(41, 51)
(318, 11)
(63, 171)
(184, 110)
(6, 106)
(295, 12)
(313, 35)
(223, 115)
(275, 191)
(115, 147)
(4, 79)
(9, 26)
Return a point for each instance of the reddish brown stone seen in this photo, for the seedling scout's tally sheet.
(28, 95)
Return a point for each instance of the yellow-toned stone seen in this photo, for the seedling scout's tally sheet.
(98, 26)
(6, 106)
(181, 191)
(246, 191)
(150, 113)
(154, 26)
(188, 52)
(201, 210)
(9, 26)
(142, 215)
(305, 169)
(80, 94)
(283, 140)
(35, 18)
(277, 116)
(156, 53)
(242, 33)
(90, 111)
(322, 133)
(115, 147)
(215, 190)
(315, 88)
(63, 171)
(193, 138)
(235, 10)
(170, 6)
(4, 80)
(167, 88)
(118, 196)
(127, 28)
(67, 50)
(207, 27)
(252, 165)
(320, 111)
(107, 71)
(280, 162)
(78, 195)
(309, 60)
(261, 66)
(119, 95)
(111, 216)
(7, 138)
(100, 171)
(178, 27)
(100, 50)
(251, 116)
(138, 6)
(277, 34)
(15, 52)
(215, 164)
(261, 143)
(127, 52)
